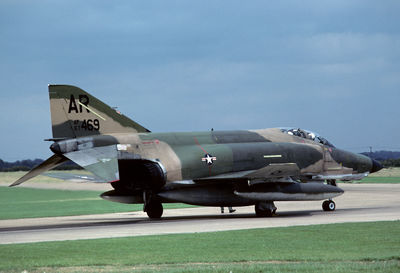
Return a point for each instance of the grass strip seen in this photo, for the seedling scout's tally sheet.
(380, 180)
(30, 203)
(391, 266)
(357, 244)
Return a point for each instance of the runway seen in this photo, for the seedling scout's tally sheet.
(359, 203)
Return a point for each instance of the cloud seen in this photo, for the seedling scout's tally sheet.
(332, 67)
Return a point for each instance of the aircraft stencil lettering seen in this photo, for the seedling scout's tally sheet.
(254, 167)
(83, 101)
(90, 125)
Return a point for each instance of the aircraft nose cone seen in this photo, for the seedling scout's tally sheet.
(376, 166)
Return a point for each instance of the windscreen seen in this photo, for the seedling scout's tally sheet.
(308, 135)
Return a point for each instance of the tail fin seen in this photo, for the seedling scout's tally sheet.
(75, 113)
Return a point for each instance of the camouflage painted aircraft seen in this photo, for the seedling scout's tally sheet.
(214, 168)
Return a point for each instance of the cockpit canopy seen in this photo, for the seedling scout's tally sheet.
(308, 135)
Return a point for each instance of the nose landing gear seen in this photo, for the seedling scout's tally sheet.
(328, 205)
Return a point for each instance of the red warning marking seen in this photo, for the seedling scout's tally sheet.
(156, 141)
(198, 144)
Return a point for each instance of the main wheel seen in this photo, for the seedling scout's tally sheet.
(154, 210)
(328, 205)
(264, 209)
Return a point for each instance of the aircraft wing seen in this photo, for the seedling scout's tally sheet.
(277, 170)
(274, 171)
(271, 183)
(278, 173)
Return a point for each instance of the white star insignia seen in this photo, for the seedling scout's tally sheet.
(209, 159)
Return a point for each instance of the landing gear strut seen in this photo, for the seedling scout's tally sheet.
(331, 182)
(328, 205)
(265, 209)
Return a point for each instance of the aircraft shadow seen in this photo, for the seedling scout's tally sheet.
(104, 222)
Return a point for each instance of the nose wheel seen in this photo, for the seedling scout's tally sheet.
(328, 205)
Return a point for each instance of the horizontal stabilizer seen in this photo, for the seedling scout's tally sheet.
(45, 166)
(74, 177)
(101, 161)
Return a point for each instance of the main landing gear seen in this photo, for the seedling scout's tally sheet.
(328, 205)
(152, 206)
(265, 209)
(154, 210)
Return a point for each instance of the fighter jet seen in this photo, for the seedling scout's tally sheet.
(211, 168)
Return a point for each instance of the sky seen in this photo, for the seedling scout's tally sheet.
(328, 66)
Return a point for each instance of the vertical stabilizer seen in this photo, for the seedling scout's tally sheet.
(76, 113)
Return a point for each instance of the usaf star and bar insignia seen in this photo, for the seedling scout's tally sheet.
(209, 159)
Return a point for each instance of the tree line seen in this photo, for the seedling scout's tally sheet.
(27, 164)
(387, 158)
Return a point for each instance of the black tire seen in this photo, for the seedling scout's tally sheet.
(263, 212)
(328, 205)
(154, 210)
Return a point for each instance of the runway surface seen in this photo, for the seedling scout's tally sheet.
(359, 203)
